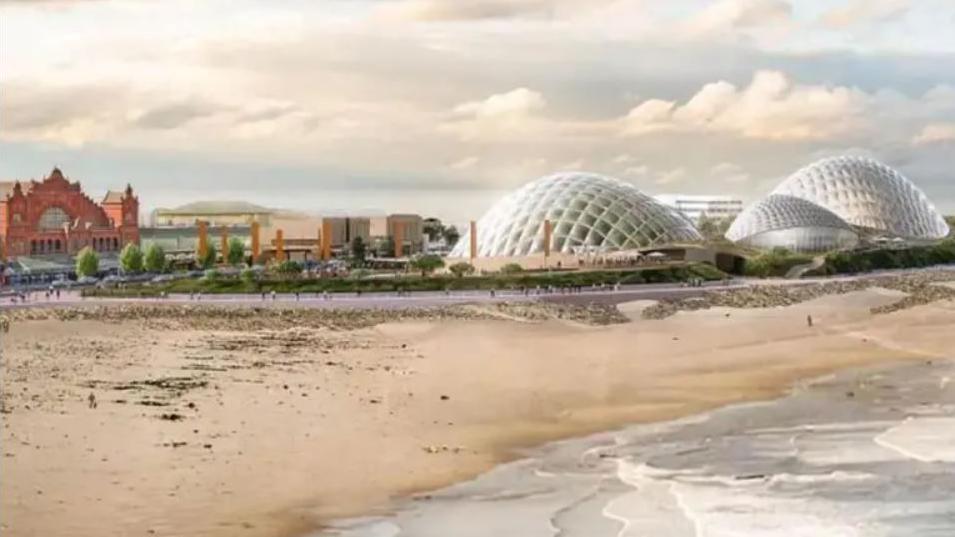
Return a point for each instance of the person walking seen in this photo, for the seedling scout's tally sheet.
(809, 321)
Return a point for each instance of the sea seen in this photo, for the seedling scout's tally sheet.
(860, 453)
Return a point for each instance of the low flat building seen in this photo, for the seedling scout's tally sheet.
(216, 213)
(695, 206)
(408, 228)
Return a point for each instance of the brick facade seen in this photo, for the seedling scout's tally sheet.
(55, 217)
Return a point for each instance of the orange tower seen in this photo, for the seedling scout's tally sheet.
(473, 240)
(279, 246)
(203, 246)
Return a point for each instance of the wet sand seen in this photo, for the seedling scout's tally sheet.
(275, 432)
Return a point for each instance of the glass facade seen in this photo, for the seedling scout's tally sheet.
(588, 212)
(869, 195)
(792, 223)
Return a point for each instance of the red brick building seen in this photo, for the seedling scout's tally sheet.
(54, 216)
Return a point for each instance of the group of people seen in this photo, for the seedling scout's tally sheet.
(21, 297)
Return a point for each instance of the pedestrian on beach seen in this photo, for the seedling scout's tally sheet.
(273, 295)
(809, 320)
(296, 296)
(92, 400)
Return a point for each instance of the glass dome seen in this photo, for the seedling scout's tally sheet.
(868, 194)
(780, 221)
(588, 212)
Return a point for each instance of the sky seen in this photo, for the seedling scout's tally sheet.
(441, 106)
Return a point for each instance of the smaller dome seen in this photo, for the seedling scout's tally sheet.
(792, 223)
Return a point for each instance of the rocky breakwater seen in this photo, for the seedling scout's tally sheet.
(246, 318)
(920, 287)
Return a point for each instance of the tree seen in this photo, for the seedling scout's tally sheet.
(359, 251)
(461, 269)
(249, 275)
(87, 263)
(236, 254)
(209, 259)
(451, 235)
(511, 268)
(427, 263)
(432, 228)
(131, 259)
(155, 259)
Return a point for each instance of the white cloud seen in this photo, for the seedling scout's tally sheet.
(856, 12)
(771, 107)
(738, 14)
(516, 102)
(935, 133)
(675, 175)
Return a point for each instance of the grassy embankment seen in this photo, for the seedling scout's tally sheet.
(409, 283)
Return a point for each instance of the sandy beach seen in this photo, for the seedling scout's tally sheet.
(266, 427)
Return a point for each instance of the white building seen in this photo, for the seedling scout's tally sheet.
(695, 206)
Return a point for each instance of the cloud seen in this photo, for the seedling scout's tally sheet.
(856, 12)
(772, 107)
(675, 175)
(176, 114)
(739, 14)
(520, 101)
(467, 10)
(935, 133)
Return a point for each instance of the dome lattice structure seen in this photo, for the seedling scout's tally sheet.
(587, 212)
(868, 194)
(796, 224)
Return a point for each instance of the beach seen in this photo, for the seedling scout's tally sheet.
(277, 423)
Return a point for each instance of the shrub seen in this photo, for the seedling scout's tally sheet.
(775, 263)
(87, 262)
(131, 259)
(512, 268)
(211, 275)
(289, 268)
(155, 259)
(461, 269)
(248, 275)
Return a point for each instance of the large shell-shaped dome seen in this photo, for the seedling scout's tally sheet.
(792, 223)
(869, 195)
(586, 211)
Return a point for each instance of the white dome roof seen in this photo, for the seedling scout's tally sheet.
(867, 194)
(586, 210)
(793, 223)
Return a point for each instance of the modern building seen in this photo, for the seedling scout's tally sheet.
(695, 206)
(53, 217)
(792, 223)
(405, 229)
(344, 229)
(216, 213)
(868, 195)
(586, 212)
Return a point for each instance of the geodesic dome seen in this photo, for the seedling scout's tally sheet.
(588, 212)
(792, 223)
(867, 194)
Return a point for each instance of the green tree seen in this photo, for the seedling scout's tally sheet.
(511, 268)
(236, 254)
(87, 262)
(461, 269)
(155, 258)
(451, 235)
(359, 251)
(427, 263)
(131, 259)
(208, 260)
